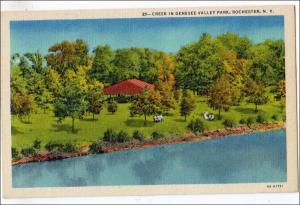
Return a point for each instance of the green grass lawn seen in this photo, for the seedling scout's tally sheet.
(44, 126)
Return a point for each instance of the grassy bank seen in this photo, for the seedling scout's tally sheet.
(44, 126)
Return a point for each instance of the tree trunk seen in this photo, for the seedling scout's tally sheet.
(93, 116)
(219, 116)
(73, 124)
(184, 117)
(256, 110)
(145, 118)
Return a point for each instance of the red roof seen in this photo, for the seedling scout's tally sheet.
(128, 87)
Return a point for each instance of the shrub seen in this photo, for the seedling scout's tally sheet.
(123, 136)
(226, 108)
(95, 147)
(69, 147)
(261, 118)
(156, 135)
(28, 151)
(250, 121)
(15, 153)
(51, 146)
(138, 135)
(196, 125)
(37, 144)
(229, 123)
(243, 121)
(112, 107)
(110, 136)
(275, 117)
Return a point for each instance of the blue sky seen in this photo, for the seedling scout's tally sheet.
(166, 34)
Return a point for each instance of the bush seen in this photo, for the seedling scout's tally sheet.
(95, 147)
(112, 107)
(243, 121)
(156, 135)
(275, 117)
(196, 125)
(123, 136)
(37, 144)
(261, 118)
(51, 146)
(138, 135)
(28, 151)
(250, 121)
(229, 123)
(226, 108)
(15, 153)
(69, 147)
(110, 136)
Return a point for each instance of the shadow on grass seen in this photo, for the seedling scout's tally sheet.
(179, 120)
(138, 123)
(65, 128)
(15, 131)
(89, 119)
(245, 110)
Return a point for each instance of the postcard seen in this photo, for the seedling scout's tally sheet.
(149, 101)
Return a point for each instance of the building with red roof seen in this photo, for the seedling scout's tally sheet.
(128, 87)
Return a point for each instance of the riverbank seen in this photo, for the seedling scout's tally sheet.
(185, 137)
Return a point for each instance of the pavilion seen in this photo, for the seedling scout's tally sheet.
(128, 87)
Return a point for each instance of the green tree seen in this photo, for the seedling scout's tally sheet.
(147, 103)
(127, 64)
(71, 102)
(24, 66)
(94, 97)
(256, 93)
(102, 67)
(221, 94)
(112, 106)
(198, 65)
(22, 105)
(233, 42)
(187, 104)
(37, 61)
(53, 81)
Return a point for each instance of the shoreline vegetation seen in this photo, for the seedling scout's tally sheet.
(185, 137)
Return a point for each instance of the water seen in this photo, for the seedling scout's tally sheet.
(249, 158)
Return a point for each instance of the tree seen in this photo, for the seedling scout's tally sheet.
(22, 105)
(267, 62)
(18, 83)
(127, 64)
(165, 82)
(256, 93)
(68, 55)
(233, 42)
(221, 94)
(102, 67)
(36, 60)
(45, 99)
(187, 105)
(94, 97)
(196, 125)
(198, 65)
(53, 81)
(24, 66)
(71, 102)
(112, 106)
(147, 103)
(282, 94)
